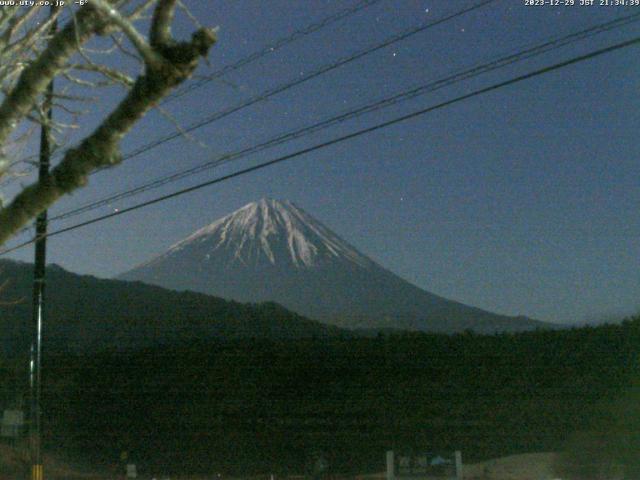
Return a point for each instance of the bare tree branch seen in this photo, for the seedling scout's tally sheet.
(172, 62)
(116, 76)
(120, 46)
(139, 11)
(150, 56)
(34, 79)
(160, 35)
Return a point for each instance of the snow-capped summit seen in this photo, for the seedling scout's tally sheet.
(271, 231)
(273, 250)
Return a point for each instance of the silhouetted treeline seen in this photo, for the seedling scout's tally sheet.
(264, 406)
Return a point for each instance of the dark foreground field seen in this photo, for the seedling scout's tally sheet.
(251, 407)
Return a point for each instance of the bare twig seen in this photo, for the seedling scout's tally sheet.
(165, 113)
(150, 56)
(170, 64)
(34, 79)
(140, 10)
(190, 15)
(112, 74)
(120, 45)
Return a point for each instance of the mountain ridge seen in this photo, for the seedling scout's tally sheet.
(273, 250)
(85, 313)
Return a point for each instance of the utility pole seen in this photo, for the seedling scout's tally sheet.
(35, 364)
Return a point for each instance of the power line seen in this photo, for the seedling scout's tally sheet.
(350, 114)
(341, 139)
(287, 86)
(270, 48)
(298, 81)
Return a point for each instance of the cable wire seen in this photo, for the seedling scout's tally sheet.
(270, 48)
(298, 81)
(350, 114)
(340, 139)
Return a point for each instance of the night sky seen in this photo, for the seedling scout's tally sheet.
(523, 201)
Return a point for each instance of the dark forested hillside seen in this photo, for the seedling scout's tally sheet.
(264, 406)
(86, 313)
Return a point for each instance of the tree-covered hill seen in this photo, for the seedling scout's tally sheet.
(86, 313)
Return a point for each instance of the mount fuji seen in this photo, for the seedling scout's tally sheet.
(274, 251)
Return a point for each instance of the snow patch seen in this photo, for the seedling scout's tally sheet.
(270, 230)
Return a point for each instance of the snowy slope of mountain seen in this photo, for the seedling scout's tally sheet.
(275, 251)
(272, 232)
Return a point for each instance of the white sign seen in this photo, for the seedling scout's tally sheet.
(415, 466)
(12, 422)
(132, 471)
